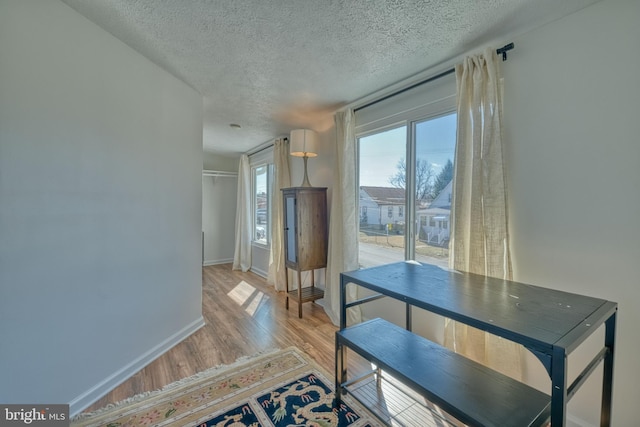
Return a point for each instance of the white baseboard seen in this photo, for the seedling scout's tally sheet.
(573, 421)
(259, 272)
(103, 387)
(217, 262)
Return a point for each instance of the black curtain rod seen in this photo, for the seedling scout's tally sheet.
(251, 153)
(503, 50)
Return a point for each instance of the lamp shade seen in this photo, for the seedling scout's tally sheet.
(303, 143)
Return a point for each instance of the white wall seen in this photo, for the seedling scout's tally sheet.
(213, 161)
(100, 207)
(218, 216)
(572, 104)
(219, 196)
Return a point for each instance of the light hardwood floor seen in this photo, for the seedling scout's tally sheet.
(244, 315)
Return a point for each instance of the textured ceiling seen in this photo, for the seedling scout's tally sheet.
(276, 65)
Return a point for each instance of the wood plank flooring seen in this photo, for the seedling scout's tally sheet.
(244, 315)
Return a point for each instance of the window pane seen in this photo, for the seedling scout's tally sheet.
(261, 205)
(435, 152)
(382, 197)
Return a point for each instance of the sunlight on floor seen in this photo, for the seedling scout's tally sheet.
(247, 296)
(400, 406)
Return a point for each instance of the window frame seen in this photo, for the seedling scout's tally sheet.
(428, 102)
(255, 162)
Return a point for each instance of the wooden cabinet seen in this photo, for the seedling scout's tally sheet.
(305, 238)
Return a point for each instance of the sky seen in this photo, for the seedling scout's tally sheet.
(381, 152)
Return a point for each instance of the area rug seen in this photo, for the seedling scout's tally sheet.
(282, 388)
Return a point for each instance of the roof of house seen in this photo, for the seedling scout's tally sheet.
(443, 200)
(385, 195)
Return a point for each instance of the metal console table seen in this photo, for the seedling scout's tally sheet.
(549, 323)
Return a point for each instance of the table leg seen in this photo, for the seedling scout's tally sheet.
(559, 388)
(341, 370)
(607, 376)
(286, 282)
(299, 294)
(343, 302)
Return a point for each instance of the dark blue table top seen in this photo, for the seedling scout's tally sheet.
(534, 316)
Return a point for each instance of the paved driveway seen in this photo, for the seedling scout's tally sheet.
(371, 255)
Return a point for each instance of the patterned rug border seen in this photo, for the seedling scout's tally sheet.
(184, 382)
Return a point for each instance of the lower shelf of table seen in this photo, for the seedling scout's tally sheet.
(472, 393)
(307, 294)
(397, 405)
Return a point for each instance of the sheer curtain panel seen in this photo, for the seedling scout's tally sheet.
(480, 242)
(282, 179)
(242, 254)
(343, 224)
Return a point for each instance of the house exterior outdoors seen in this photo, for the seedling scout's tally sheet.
(382, 208)
(435, 219)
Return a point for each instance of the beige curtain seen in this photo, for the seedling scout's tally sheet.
(282, 179)
(242, 254)
(343, 224)
(480, 242)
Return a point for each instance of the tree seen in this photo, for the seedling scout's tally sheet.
(424, 176)
(444, 177)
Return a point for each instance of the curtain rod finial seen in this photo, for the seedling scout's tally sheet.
(504, 49)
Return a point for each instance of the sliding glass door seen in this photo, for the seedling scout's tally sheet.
(435, 144)
(405, 175)
(382, 199)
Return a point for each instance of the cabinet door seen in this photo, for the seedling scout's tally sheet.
(290, 228)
